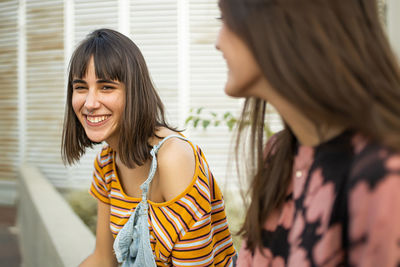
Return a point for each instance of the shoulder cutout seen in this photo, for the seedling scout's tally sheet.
(176, 167)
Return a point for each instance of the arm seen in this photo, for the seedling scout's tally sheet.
(176, 167)
(206, 241)
(103, 254)
(176, 171)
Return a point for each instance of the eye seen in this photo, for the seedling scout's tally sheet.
(107, 87)
(80, 88)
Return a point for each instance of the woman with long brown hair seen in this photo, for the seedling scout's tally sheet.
(325, 190)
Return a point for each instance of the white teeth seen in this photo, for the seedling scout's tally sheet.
(96, 119)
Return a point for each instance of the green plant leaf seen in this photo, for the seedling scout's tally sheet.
(199, 110)
(196, 122)
(230, 125)
(227, 114)
(206, 123)
(188, 120)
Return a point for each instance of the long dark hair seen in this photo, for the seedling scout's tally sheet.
(116, 57)
(330, 59)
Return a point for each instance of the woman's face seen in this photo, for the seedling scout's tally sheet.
(99, 105)
(243, 70)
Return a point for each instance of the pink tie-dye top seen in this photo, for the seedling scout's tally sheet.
(342, 209)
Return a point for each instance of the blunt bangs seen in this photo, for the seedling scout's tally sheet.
(107, 58)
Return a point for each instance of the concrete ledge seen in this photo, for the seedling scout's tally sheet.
(50, 233)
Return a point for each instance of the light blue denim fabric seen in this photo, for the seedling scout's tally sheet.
(132, 244)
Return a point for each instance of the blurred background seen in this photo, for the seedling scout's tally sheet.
(177, 40)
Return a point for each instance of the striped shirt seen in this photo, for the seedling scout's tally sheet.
(189, 230)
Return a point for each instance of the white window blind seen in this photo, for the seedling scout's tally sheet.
(90, 15)
(44, 86)
(153, 27)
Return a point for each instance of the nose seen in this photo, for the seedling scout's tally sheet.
(92, 101)
(218, 40)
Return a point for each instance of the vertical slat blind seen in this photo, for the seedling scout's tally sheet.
(9, 89)
(90, 15)
(45, 83)
(153, 27)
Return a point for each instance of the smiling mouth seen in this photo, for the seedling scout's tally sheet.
(96, 120)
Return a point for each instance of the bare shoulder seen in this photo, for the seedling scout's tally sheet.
(176, 167)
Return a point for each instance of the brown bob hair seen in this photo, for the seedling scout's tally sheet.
(116, 57)
(330, 59)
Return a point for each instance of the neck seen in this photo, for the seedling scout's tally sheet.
(112, 141)
(306, 131)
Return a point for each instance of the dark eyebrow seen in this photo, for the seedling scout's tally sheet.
(98, 81)
(78, 81)
(106, 81)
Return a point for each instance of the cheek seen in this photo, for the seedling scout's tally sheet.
(240, 81)
(77, 103)
(121, 100)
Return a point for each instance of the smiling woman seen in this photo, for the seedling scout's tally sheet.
(108, 71)
(148, 175)
(99, 105)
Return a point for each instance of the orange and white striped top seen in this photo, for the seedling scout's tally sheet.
(189, 230)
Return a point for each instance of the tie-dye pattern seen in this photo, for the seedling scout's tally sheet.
(343, 210)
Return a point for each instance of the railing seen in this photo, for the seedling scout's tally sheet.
(50, 233)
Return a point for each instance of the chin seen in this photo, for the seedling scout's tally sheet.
(233, 91)
(95, 138)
